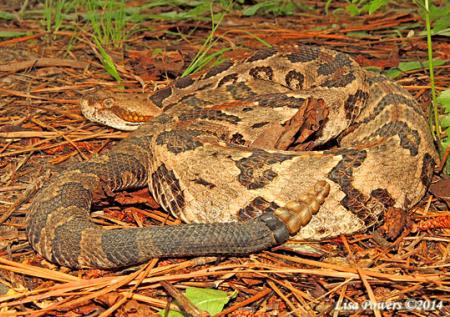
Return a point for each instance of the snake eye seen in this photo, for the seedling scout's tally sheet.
(108, 102)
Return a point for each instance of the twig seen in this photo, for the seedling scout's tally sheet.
(42, 62)
(246, 302)
(184, 302)
(373, 300)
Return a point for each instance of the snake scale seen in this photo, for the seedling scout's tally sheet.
(218, 152)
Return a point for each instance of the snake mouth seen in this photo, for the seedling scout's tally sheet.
(130, 116)
(114, 117)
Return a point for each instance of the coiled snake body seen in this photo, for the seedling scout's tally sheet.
(217, 152)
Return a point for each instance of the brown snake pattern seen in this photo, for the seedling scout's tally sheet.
(217, 152)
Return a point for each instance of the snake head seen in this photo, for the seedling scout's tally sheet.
(123, 111)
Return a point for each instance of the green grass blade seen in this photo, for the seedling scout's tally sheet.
(108, 62)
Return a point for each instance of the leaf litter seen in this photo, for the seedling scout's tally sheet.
(41, 78)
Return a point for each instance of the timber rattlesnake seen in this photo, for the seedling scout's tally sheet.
(219, 149)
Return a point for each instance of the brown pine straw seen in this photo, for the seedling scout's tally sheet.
(350, 272)
(293, 308)
(373, 300)
(90, 136)
(302, 297)
(341, 298)
(74, 283)
(145, 271)
(100, 286)
(245, 303)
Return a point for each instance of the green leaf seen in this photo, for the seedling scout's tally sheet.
(444, 32)
(6, 16)
(407, 66)
(353, 9)
(445, 122)
(276, 7)
(447, 167)
(393, 73)
(444, 100)
(438, 62)
(438, 12)
(157, 51)
(445, 143)
(10, 34)
(441, 24)
(172, 313)
(287, 9)
(250, 11)
(374, 69)
(208, 299)
(376, 4)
